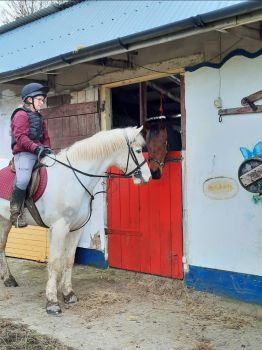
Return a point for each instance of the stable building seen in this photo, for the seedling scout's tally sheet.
(116, 63)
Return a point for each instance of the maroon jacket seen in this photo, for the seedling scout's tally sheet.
(20, 129)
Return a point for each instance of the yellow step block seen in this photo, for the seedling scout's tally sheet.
(30, 243)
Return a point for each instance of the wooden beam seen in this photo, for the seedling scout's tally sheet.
(142, 102)
(163, 91)
(252, 98)
(147, 72)
(105, 108)
(239, 110)
(113, 63)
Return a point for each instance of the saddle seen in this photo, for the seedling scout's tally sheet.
(35, 188)
(35, 178)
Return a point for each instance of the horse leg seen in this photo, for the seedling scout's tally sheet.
(57, 236)
(72, 240)
(9, 280)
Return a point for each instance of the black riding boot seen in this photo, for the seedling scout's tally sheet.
(16, 207)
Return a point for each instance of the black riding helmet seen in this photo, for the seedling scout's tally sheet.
(34, 89)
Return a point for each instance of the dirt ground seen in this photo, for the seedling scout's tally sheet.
(122, 310)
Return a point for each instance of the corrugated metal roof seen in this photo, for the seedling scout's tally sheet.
(90, 23)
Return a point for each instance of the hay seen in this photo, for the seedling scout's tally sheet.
(14, 336)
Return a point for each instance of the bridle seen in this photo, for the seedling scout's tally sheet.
(166, 159)
(136, 172)
(161, 164)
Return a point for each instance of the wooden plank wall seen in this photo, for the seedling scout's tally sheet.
(70, 123)
(30, 242)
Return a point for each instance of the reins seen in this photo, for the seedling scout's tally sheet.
(136, 171)
(107, 175)
(92, 197)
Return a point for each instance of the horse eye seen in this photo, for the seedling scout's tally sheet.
(138, 151)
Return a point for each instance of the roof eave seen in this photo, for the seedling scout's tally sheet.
(190, 26)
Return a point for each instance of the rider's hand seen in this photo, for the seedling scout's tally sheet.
(48, 150)
(42, 151)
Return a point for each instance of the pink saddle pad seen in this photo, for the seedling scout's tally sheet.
(7, 177)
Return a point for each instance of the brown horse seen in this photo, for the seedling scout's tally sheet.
(160, 138)
(157, 145)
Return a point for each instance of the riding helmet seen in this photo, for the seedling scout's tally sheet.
(34, 89)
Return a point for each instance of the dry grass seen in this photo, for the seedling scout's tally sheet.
(110, 291)
(128, 300)
(15, 336)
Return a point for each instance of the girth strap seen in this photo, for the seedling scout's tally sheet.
(30, 205)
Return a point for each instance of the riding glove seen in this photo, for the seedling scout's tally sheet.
(42, 151)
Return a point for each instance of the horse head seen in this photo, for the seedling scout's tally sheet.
(157, 145)
(134, 164)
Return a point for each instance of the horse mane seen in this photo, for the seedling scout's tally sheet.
(102, 144)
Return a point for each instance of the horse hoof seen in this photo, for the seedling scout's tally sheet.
(71, 298)
(53, 308)
(10, 282)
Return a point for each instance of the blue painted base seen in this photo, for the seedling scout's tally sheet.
(225, 283)
(91, 257)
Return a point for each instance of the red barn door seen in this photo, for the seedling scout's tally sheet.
(145, 224)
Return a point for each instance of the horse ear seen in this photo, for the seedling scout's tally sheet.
(138, 130)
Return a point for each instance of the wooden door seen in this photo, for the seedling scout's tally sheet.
(145, 224)
(69, 123)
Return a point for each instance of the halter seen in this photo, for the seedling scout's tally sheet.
(161, 164)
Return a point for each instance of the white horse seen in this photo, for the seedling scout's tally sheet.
(65, 204)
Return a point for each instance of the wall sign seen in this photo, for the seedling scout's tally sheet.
(220, 188)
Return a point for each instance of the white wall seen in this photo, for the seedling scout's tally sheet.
(8, 102)
(223, 234)
(94, 232)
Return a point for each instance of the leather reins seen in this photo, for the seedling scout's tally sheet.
(136, 171)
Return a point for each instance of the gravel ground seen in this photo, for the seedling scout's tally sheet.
(123, 310)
